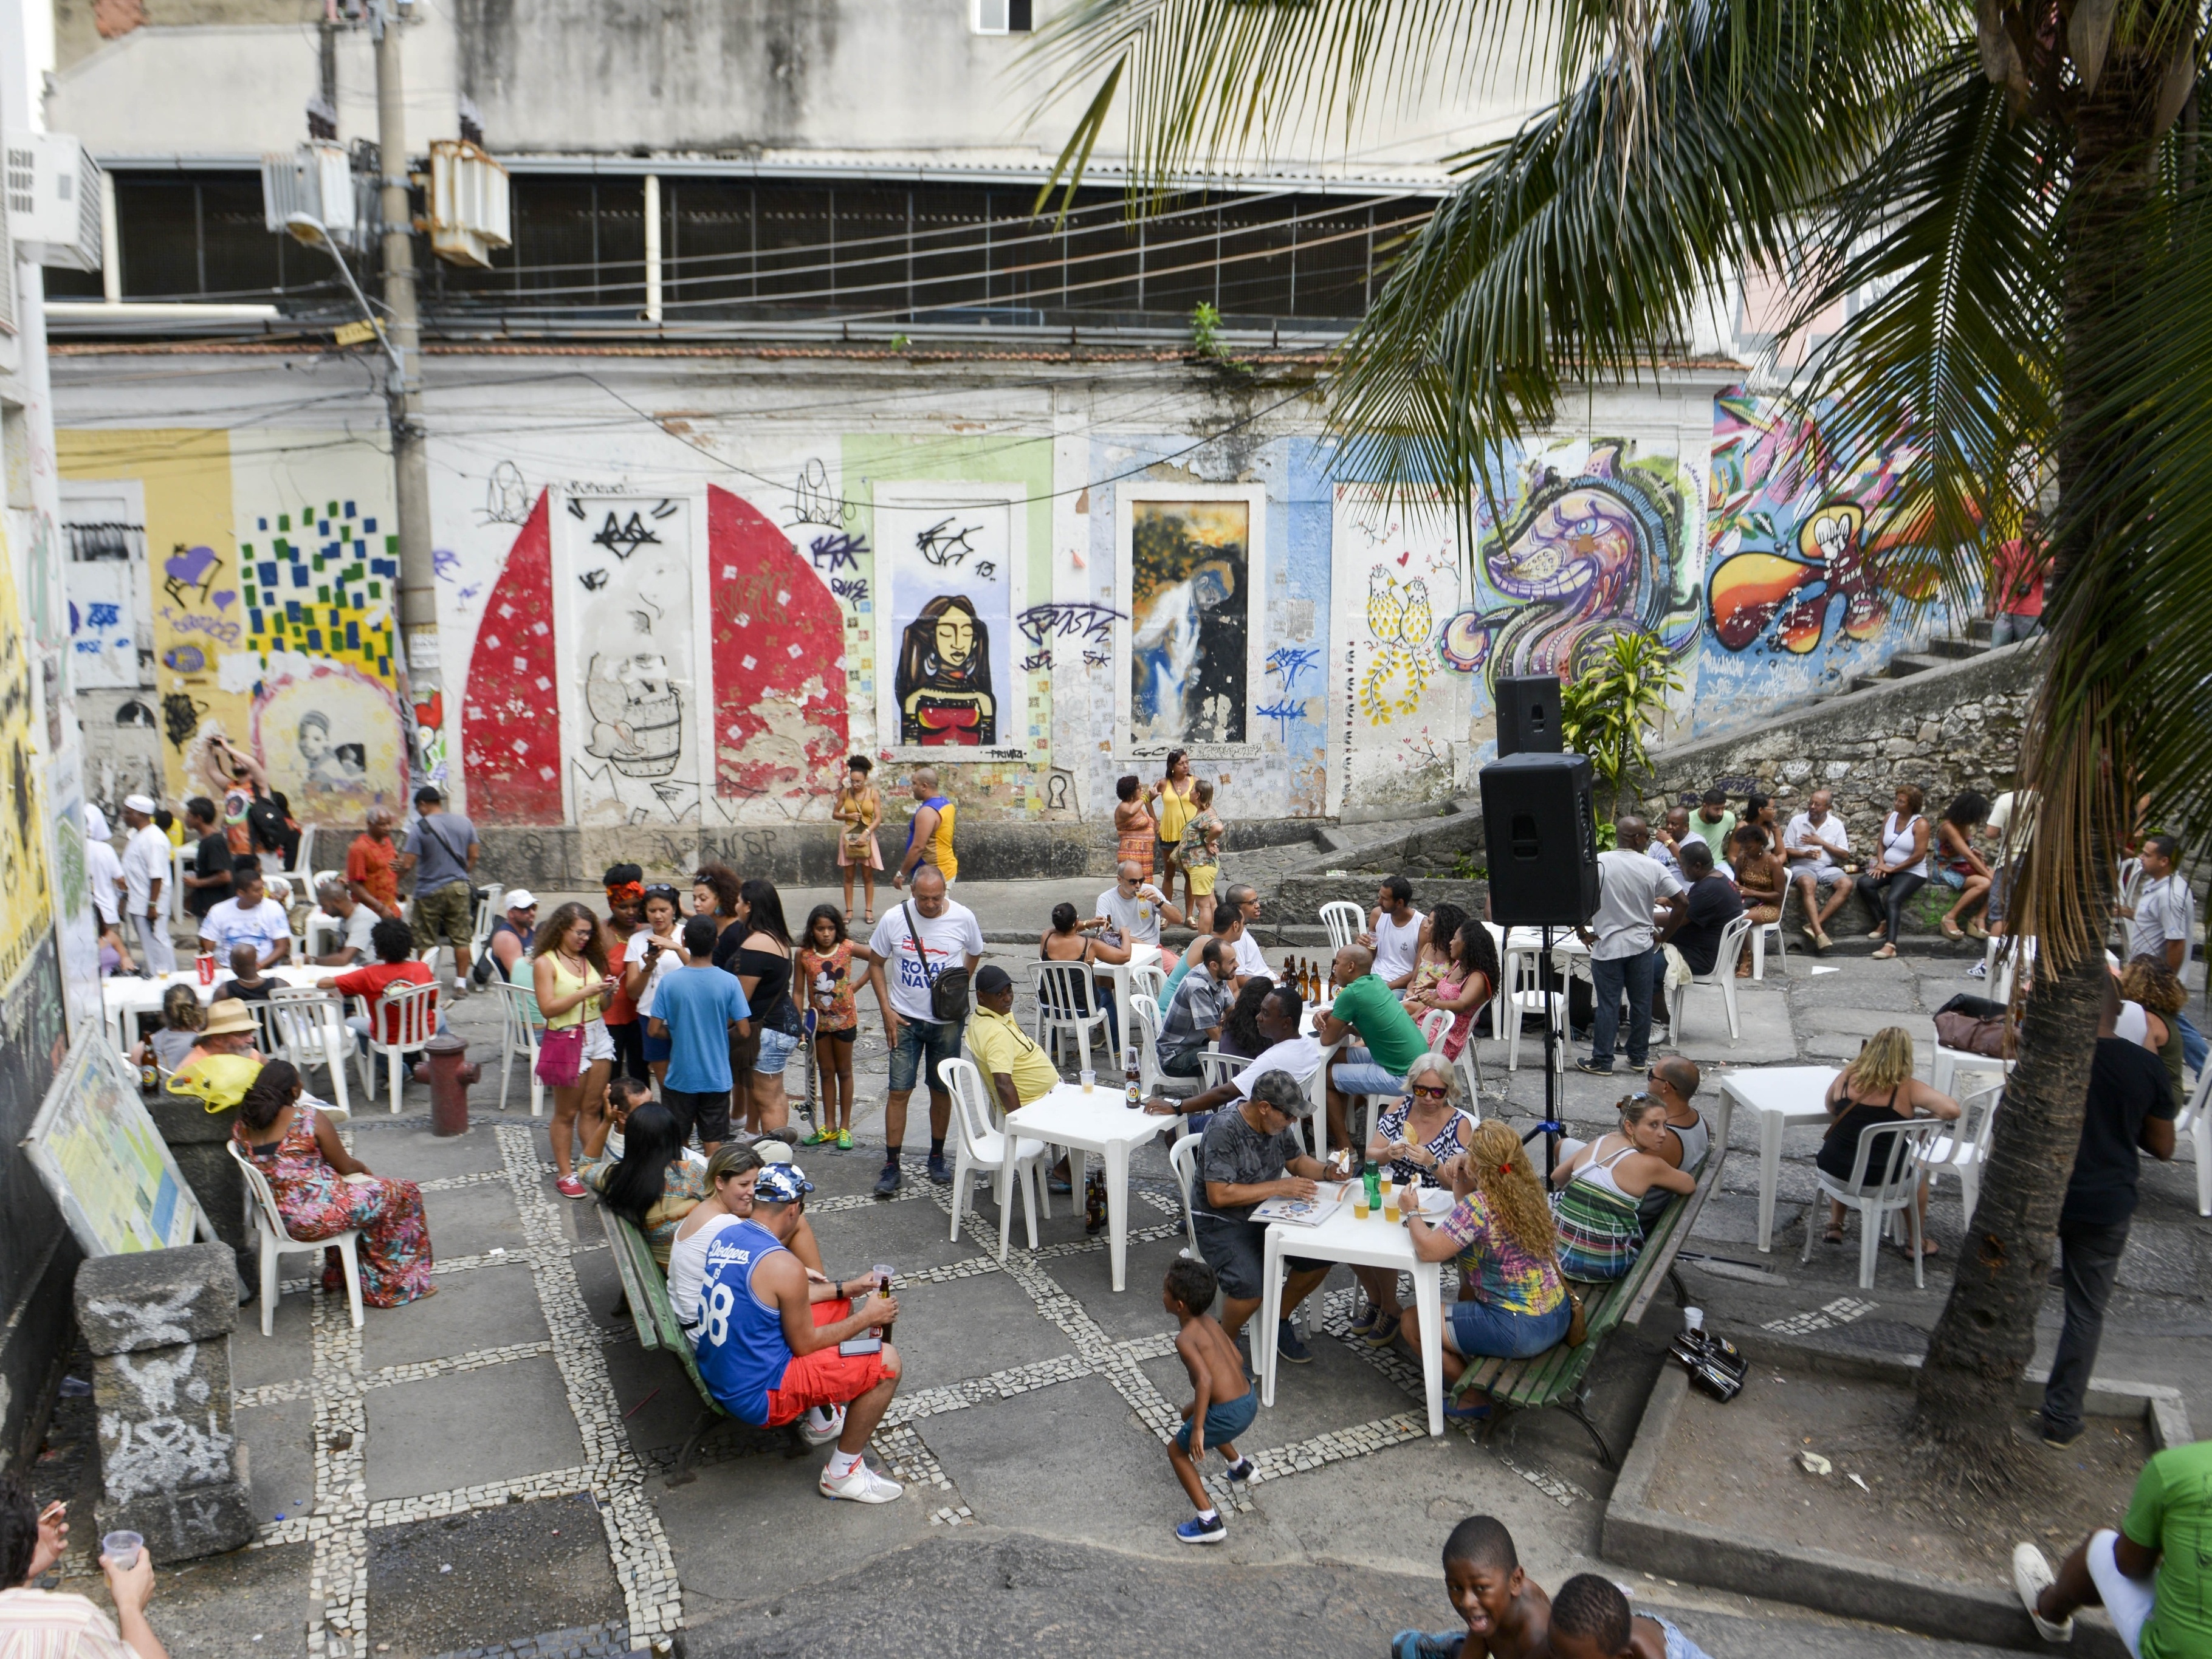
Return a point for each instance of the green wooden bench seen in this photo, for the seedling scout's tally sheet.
(645, 1298)
(1560, 1375)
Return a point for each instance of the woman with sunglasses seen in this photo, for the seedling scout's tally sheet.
(1417, 1136)
(1602, 1183)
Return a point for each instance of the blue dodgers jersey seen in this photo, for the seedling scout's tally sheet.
(741, 1353)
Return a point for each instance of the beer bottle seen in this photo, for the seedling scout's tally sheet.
(1132, 1090)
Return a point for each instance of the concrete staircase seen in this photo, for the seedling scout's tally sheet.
(1945, 648)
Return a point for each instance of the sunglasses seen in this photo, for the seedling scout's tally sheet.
(1430, 1091)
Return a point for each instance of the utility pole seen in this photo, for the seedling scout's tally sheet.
(420, 666)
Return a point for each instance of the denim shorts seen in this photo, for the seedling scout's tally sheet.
(922, 1044)
(1236, 1251)
(1224, 1421)
(1479, 1329)
(1357, 1073)
(775, 1049)
(1950, 878)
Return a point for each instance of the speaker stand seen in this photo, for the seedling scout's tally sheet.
(1555, 1061)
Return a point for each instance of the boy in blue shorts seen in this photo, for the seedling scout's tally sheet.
(1223, 1403)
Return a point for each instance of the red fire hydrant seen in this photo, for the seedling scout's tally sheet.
(448, 1072)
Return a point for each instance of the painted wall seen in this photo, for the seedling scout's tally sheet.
(680, 623)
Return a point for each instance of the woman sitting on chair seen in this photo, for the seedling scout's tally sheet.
(322, 1190)
(1602, 1184)
(1876, 1088)
(650, 1183)
(1464, 986)
(1417, 1136)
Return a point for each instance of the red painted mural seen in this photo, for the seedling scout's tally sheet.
(779, 714)
(511, 718)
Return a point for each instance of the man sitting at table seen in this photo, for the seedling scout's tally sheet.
(1247, 1156)
(1286, 1051)
(394, 943)
(1133, 909)
(1389, 1042)
(1201, 1004)
(355, 922)
(1018, 1070)
(249, 917)
(223, 1063)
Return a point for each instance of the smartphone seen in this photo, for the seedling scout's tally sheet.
(861, 1344)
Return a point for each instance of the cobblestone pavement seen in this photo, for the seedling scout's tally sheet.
(488, 1468)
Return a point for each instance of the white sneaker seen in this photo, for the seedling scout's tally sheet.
(862, 1486)
(2031, 1576)
(814, 1436)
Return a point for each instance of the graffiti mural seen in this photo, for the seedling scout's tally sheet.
(511, 714)
(948, 673)
(1195, 576)
(1400, 722)
(26, 888)
(1585, 553)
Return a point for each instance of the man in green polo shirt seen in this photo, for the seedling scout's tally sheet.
(2150, 1576)
(1383, 1041)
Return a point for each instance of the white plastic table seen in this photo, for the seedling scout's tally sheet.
(1782, 1096)
(1373, 1242)
(1100, 1121)
(126, 997)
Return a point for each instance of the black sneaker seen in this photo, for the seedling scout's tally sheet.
(1592, 1068)
(1288, 1347)
(939, 1170)
(1241, 1470)
(887, 1184)
(2061, 1438)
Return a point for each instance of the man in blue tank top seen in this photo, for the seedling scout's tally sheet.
(770, 1340)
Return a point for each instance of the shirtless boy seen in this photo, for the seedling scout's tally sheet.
(1223, 1402)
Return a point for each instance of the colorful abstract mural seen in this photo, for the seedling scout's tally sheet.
(1587, 551)
(1193, 603)
(511, 716)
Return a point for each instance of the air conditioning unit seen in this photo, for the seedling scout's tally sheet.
(468, 213)
(316, 179)
(53, 201)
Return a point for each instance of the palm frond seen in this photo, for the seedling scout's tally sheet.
(1944, 254)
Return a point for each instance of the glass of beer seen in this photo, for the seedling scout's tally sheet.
(1389, 1201)
(1360, 1201)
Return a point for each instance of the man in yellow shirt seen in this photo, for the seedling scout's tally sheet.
(1018, 1069)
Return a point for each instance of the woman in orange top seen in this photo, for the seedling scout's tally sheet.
(1134, 826)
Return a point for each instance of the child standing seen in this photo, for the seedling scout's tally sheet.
(1199, 854)
(859, 809)
(825, 972)
(1223, 1404)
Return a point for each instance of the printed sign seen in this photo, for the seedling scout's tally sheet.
(95, 1146)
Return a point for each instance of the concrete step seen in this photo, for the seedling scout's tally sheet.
(1979, 629)
(1954, 647)
(1905, 663)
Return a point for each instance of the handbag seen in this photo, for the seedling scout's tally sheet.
(948, 988)
(1974, 1025)
(561, 1056)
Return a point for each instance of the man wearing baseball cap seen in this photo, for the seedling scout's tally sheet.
(511, 933)
(770, 1339)
(145, 872)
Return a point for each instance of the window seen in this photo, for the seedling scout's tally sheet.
(1001, 16)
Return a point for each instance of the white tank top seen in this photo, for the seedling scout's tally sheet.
(1601, 1174)
(1897, 842)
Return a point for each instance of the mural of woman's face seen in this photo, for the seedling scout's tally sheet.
(956, 639)
(314, 744)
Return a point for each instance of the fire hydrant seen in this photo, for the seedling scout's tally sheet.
(448, 1072)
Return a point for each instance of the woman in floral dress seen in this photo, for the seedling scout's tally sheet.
(321, 1190)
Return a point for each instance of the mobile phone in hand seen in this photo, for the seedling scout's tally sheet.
(859, 1345)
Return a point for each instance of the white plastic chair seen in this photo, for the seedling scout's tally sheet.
(276, 1239)
(1721, 979)
(1760, 930)
(1145, 984)
(483, 911)
(1145, 1015)
(1964, 1152)
(1345, 922)
(1943, 1070)
(2196, 1122)
(1182, 1159)
(518, 1035)
(1434, 1025)
(1068, 1004)
(1876, 1200)
(1216, 1068)
(2004, 964)
(980, 1149)
(308, 1027)
(413, 1011)
(1512, 1001)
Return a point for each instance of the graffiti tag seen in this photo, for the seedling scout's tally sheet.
(1034, 661)
(1287, 662)
(941, 545)
(1097, 658)
(507, 497)
(986, 570)
(623, 538)
(837, 552)
(812, 500)
(1283, 714)
(1093, 622)
(221, 628)
(189, 570)
(854, 588)
(593, 580)
(103, 615)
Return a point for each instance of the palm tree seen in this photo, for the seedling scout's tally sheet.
(2006, 193)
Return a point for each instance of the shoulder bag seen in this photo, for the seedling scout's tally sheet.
(948, 988)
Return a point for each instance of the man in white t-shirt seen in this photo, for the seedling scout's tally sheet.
(250, 918)
(356, 922)
(1633, 888)
(950, 939)
(1393, 933)
(2162, 926)
(1134, 909)
(1250, 964)
(1286, 1051)
(146, 872)
(1814, 844)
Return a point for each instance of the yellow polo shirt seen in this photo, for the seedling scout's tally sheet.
(1000, 1045)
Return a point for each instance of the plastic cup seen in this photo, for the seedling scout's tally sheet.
(1359, 1203)
(122, 1548)
(1090, 1081)
(1390, 1208)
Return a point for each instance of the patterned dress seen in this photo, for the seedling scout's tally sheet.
(317, 1202)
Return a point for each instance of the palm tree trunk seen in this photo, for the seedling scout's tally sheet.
(1986, 1336)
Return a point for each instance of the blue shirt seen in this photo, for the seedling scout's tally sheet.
(741, 1353)
(698, 1004)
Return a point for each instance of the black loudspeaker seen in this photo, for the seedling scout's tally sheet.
(1540, 827)
(1528, 715)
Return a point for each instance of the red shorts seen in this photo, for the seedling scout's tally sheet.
(824, 1377)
